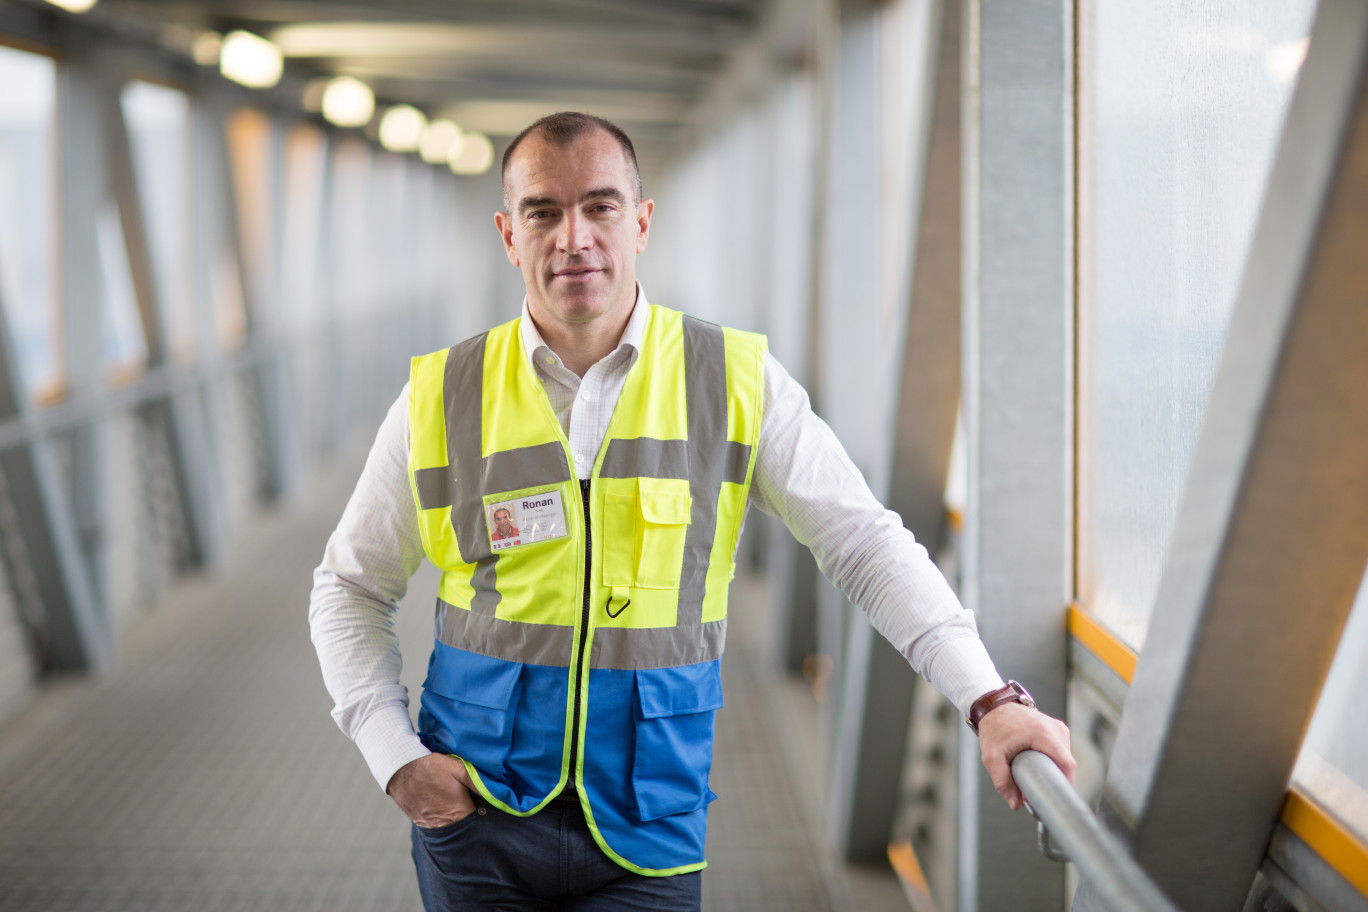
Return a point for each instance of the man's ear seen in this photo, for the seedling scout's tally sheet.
(644, 210)
(503, 222)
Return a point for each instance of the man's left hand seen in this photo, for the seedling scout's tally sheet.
(1012, 728)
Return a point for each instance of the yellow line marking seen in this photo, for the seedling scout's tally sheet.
(1328, 838)
(955, 519)
(1104, 644)
(904, 862)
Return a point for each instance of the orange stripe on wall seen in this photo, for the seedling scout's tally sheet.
(1102, 643)
(1328, 838)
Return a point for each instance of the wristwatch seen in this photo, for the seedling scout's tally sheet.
(1011, 693)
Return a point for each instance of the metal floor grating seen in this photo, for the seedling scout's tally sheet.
(204, 773)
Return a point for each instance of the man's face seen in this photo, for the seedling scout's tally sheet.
(503, 520)
(574, 229)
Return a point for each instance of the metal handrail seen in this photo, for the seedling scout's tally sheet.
(1067, 822)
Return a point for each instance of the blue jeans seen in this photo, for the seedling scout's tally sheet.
(493, 860)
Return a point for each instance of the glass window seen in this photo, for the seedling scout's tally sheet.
(123, 347)
(249, 148)
(1333, 766)
(28, 205)
(306, 149)
(1180, 109)
(351, 179)
(158, 120)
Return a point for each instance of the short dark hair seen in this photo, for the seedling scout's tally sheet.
(563, 128)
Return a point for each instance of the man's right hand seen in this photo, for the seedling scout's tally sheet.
(433, 791)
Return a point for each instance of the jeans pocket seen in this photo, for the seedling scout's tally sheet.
(449, 830)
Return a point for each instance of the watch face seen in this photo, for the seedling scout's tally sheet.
(1024, 698)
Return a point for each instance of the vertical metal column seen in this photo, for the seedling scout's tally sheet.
(854, 390)
(271, 376)
(1272, 534)
(1018, 408)
(879, 683)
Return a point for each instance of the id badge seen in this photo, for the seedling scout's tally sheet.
(525, 517)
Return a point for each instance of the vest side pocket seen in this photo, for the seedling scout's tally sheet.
(468, 706)
(674, 713)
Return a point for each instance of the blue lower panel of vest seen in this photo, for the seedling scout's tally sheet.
(648, 744)
(507, 719)
(648, 752)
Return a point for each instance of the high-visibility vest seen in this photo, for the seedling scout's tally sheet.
(525, 648)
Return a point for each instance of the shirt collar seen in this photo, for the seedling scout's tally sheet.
(533, 343)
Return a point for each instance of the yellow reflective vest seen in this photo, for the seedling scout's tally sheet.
(589, 610)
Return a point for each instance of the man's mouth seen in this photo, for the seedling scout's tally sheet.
(577, 272)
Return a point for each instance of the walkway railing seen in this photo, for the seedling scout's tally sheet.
(1067, 823)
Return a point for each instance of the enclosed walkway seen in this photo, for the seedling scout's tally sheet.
(1079, 286)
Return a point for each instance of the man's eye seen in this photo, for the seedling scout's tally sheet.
(539, 214)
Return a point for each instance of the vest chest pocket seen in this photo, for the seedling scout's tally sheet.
(675, 712)
(645, 522)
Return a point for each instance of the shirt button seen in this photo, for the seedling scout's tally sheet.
(586, 395)
(549, 360)
(579, 459)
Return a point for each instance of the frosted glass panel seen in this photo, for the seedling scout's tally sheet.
(158, 121)
(1333, 766)
(1180, 108)
(27, 205)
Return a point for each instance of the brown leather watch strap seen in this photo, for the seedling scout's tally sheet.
(1011, 692)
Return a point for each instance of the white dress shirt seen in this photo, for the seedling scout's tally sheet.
(802, 475)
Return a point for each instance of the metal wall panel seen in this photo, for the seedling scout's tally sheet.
(1018, 279)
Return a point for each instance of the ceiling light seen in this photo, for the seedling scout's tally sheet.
(74, 6)
(206, 48)
(401, 128)
(440, 141)
(475, 155)
(348, 102)
(250, 60)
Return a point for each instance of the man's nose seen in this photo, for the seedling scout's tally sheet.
(575, 235)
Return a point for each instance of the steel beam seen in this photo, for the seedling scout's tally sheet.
(1018, 360)
(1272, 534)
(43, 554)
(927, 401)
(854, 382)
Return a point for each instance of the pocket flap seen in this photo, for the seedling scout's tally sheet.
(665, 508)
(676, 691)
(472, 678)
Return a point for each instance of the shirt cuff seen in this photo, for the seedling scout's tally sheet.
(387, 741)
(963, 671)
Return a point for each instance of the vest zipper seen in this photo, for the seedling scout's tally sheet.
(578, 669)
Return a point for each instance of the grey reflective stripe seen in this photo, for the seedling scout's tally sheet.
(645, 457)
(626, 648)
(525, 467)
(461, 387)
(705, 390)
(434, 487)
(512, 641)
(737, 462)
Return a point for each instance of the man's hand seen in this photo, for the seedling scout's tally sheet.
(433, 790)
(1012, 728)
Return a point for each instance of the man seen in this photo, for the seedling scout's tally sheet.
(503, 525)
(567, 717)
